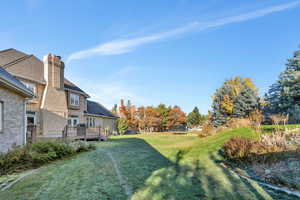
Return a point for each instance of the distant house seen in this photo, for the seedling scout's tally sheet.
(13, 97)
(57, 101)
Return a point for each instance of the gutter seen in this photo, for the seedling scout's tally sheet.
(18, 89)
(104, 116)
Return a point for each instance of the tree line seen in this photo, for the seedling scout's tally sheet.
(149, 118)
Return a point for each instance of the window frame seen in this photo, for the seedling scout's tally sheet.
(74, 99)
(71, 120)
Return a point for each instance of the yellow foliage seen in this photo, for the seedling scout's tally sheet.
(227, 104)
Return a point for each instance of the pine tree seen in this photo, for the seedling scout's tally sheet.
(245, 102)
(284, 95)
(193, 118)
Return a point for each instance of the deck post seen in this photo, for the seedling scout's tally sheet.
(85, 133)
(99, 133)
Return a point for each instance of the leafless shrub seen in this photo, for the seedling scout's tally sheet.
(256, 118)
(279, 119)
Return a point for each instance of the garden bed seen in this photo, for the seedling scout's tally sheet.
(273, 159)
(36, 155)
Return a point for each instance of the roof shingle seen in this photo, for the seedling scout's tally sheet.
(6, 77)
(95, 108)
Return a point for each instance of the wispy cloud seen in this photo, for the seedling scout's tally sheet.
(109, 90)
(124, 46)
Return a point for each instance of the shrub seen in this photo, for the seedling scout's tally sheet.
(267, 149)
(207, 130)
(35, 155)
(80, 146)
(237, 147)
(239, 123)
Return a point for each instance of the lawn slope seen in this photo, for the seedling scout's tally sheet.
(150, 166)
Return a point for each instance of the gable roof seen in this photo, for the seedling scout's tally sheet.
(94, 108)
(71, 86)
(11, 82)
(14, 61)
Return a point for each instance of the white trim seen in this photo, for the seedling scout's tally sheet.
(76, 91)
(25, 123)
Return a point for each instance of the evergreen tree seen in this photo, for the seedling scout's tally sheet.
(245, 102)
(193, 118)
(284, 95)
(122, 125)
(237, 97)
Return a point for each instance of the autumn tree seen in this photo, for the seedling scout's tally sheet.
(236, 98)
(176, 118)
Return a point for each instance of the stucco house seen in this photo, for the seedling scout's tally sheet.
(57, 101)
(13, 97)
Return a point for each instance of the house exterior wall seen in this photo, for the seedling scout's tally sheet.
(104, 123)
(34, 104)
(14, 120)
(77, 111)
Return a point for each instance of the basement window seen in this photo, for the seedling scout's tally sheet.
(1, 116)
(74, 99)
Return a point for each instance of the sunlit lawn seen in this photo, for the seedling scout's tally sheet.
(153, 167)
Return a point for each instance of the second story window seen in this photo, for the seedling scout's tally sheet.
(30, 86)
(74, 99)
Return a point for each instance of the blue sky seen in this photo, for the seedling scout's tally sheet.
(171, 51)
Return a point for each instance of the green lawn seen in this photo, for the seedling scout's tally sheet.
(149, 166)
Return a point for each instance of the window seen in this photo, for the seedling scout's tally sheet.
(31, 117)
(87, 122)
(74, 99)
(1, 116)
(91, 125)
(30, 86)
(73, 121)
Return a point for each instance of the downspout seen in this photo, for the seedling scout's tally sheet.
(25, 122)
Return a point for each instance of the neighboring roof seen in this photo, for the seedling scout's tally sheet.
(94, 108)
(71, 86)
(11, 82)
(14, 61)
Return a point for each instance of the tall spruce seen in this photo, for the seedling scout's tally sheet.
(245, 102)
(193, 118)
(283, 97)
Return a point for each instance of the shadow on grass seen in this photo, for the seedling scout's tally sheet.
(153, 176)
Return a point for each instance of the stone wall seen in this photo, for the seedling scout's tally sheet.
(14, 122)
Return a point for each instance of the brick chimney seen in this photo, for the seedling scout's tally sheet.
(54, 69)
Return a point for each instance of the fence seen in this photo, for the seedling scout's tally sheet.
(81, 132)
